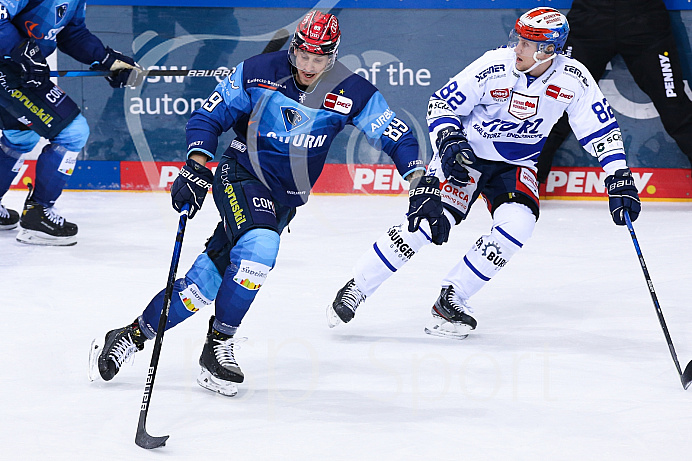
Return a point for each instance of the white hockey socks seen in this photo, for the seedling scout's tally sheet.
(389, 253)
(513, 224)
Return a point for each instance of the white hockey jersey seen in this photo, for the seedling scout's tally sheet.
(507, 121)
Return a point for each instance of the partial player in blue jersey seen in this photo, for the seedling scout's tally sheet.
(286, 108)
(31, 107)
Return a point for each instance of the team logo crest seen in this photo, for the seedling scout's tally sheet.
(522, 106)
(60, 12)
(293, 118)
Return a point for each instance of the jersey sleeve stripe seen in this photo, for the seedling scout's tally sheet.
(444, 120)
(584, 141)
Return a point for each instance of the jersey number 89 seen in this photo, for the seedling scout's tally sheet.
(395, 129)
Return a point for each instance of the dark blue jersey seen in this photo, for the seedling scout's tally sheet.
(52, 23)
(284, 134)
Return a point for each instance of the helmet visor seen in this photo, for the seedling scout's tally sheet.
(544, 47)
(311, 63)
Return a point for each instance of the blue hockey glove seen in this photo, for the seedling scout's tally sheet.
(622, 195)
(425, 202)
(456, 154)
(191, 187)
(33, 68)
(124, 70)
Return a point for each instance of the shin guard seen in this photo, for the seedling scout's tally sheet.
(388, 254)
(513, 224)
(196, 290)
(252, 257)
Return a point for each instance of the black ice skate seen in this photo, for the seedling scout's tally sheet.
(220, 372)
(118, 347)
(347, 300)
(451, 317)
(8, 218)
(42, 226)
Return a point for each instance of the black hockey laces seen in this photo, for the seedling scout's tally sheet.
(122, 350)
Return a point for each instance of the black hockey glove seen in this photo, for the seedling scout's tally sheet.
(456, 154)
(33, 68)
(191, 187)
(124, 70)
(622, 195)
(425, 202)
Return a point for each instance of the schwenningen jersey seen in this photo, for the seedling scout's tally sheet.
(507, 121)
(49, 22)
(283, 134)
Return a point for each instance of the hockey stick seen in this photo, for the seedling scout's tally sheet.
(275, 44)
(686, 376)
(143, 439)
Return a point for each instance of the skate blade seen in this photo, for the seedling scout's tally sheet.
(448, 330)
(94, 352)
(8, 226)
(207, 381)
(332, 317)
(40, 238)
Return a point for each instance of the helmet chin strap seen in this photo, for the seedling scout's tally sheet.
(538, 62)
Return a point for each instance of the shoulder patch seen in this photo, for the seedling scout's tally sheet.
(338, 103)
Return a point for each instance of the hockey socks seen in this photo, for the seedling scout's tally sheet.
(196, 290)
(53, 168)
(252, 257)
(513, 224)
(388, 254)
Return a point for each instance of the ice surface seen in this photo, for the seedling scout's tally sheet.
(568, 361)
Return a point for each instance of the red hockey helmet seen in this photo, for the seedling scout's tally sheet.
(317, 33)
(543, 25)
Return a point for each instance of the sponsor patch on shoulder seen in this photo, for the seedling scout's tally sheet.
(338, 103)
(560, 94)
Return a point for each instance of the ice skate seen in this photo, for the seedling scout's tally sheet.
(343, 309)
(119, 345)
(9, 219)
(219, 370)
(451, 317)
(43, 226)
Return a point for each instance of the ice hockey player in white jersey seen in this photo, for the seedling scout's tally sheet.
(487, 126)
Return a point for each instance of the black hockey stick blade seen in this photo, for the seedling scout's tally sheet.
(144, 440)
(686, 376)
(277, 42)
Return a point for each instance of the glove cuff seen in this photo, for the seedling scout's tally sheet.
(429, 181)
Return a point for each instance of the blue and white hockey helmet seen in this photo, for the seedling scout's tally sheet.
(544, 26)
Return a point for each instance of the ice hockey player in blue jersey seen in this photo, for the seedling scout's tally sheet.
(487, 126)
(31, 107)
(286, 109)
